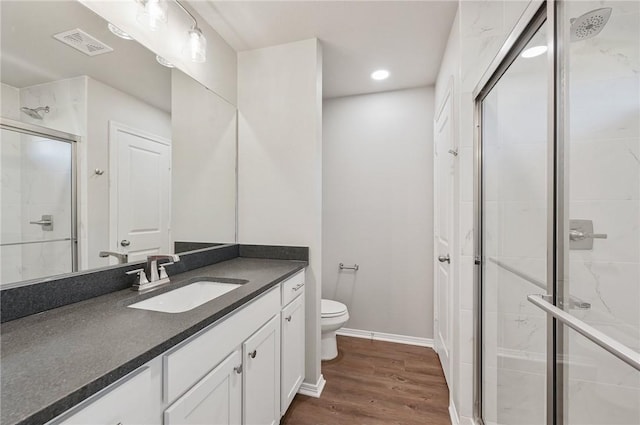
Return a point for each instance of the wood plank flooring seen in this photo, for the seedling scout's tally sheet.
(376, 383)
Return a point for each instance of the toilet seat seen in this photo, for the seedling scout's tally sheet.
(330, 308)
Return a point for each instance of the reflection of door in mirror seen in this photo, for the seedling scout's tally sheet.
(139, 192)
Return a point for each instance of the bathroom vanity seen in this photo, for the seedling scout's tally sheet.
(238, 358)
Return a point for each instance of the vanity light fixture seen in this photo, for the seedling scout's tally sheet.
(196, 45)
(196, 48)
(162, 61)
(153, 13)
(381, 74)
(118, 32)
(534, 51)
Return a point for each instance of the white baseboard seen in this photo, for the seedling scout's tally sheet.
(313, 390)
(380, 336)
(453, 413)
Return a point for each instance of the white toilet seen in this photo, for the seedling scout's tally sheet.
(333, 316)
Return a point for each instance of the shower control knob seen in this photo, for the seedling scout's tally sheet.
(125, 242)
(444, 258)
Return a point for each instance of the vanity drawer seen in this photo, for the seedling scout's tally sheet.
(292, 287)
(186, 364)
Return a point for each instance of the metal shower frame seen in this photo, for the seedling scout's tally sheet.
(61, 136)
(538, 13)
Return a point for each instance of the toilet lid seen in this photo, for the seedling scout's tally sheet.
(330, 308)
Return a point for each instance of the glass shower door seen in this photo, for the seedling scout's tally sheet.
(37, 230)
(514, 205)
(601, 209)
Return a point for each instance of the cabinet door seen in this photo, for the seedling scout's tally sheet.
(292, 353)
(262, 375)
(215, 400)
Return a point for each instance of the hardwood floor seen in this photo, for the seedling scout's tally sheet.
(376, 383)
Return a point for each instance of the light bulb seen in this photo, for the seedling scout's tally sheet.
(153, 13)
(196, 48)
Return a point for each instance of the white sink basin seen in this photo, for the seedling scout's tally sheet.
(186, 298)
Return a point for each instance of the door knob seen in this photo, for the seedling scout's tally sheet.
(125, 242)
(253, 354)
(444, 259)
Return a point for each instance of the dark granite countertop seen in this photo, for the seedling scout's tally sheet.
(53, 360)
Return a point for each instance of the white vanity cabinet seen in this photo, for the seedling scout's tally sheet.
(244, 369)
(215, 399)
(292, 354)
(262, 375)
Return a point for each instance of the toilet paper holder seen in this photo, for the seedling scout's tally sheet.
(355, 267)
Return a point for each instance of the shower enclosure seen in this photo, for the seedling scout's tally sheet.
(38, 202)
(558, 216)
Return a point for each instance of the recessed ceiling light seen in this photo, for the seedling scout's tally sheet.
(381, 74)
(162, 61)
(534, 51)
(117, 31)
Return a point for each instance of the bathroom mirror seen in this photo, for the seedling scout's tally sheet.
(107, 155)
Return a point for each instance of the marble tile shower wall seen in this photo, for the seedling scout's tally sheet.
(42, 176)
(604, 174)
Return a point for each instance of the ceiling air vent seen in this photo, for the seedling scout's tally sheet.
(83, 42)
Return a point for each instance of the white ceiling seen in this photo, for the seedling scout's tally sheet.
(406, 37)
(30, 55)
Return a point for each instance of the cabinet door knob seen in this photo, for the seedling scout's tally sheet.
(288, 318)
(238, 369)
(253, 354)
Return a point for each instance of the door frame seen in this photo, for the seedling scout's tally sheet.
(447, 103)
(114, 128)
(535, 15)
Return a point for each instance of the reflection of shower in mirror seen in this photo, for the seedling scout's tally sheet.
(589, 24)
(35, 112)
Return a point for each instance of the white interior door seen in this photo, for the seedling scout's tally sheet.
(444, 154)
(140, 192)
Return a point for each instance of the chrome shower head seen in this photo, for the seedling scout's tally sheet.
(589, 24)
(35, 113)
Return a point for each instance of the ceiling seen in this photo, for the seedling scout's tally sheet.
(408, 38)
(30, 55)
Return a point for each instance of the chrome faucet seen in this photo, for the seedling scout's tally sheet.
(122, 257)
(157, 274)
(152, 266)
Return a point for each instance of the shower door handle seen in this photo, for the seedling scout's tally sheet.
(614, 347)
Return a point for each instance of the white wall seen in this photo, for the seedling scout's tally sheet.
(203, 163)
(280, 162)
(104, 104)
(218, 73)
(378, 209)
(10, 101)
